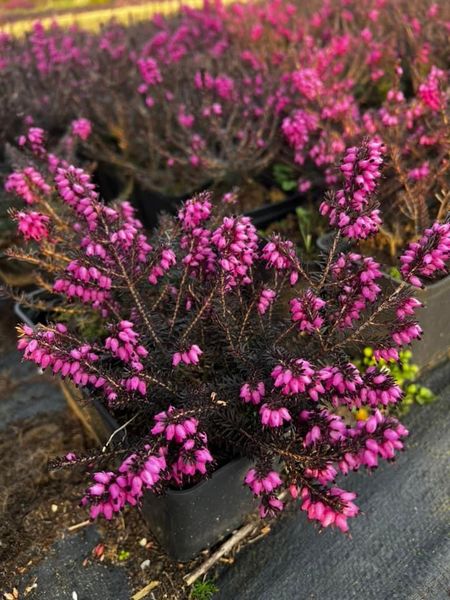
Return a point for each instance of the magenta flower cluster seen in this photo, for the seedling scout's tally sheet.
(28, 184)
(32, 225)
(352, 209)
(428, 256)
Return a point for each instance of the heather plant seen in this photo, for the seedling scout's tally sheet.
(26, 182)
(40, 75)
(414, 192)
(175, 118)
(220, 344)
(415, 130)
(367, 68)
(178, 102)
(154, 115)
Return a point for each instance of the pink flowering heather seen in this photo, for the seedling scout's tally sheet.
(427, 256)
(325, 514)
(307, 82)
(167, 260)
(361, 287)
(194, 212)
(191, 356)
(430, 91)
(252, 393)
(81, 128)
(259, 484)
(237, 241)
(297, 129)
(27, 184)
(407, 308)
(265, 486)
(150, 73)
(272, 416)
(420, 172)
(306, 312)
(77, 191)
(178, 430)
(280, 255)
(320, 77)
(265, 300)
(34, 140)
(172, 87)
(32, 225)
(194, 458)
(352, 209)
(230, 347)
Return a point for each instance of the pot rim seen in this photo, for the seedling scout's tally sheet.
(223, 469)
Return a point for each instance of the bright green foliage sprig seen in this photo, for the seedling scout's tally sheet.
(405, 374)
(203, 590)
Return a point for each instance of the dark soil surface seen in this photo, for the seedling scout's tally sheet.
(254, 195)
(35, 503)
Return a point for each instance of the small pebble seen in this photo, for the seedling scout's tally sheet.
(145, 564)
(143, 542)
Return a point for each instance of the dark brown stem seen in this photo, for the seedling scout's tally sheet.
(330, 258)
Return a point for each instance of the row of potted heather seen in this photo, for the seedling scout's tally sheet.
(224, 357)
(202, 99)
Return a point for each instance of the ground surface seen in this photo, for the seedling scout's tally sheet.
(400, 549)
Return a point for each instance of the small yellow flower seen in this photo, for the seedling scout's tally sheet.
(362, 414)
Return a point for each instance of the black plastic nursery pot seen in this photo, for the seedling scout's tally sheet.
(434, 347)
(188, 521)
(184, 522)
(270, 213)
(151, 204)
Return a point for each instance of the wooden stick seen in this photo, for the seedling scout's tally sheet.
(237, 537)
(224, 549)
(79, 525)
(148, 588)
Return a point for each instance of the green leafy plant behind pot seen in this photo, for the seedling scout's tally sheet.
(306, 222)
(284, 176)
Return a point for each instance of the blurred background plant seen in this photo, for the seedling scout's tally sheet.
(186, 111)
(264, 94)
